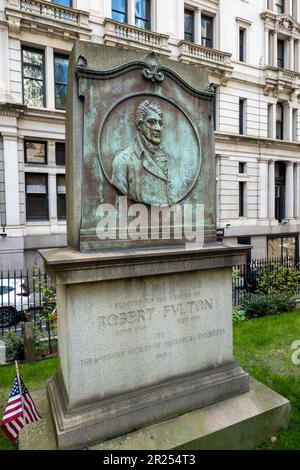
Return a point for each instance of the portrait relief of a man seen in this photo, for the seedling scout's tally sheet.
(141, 171)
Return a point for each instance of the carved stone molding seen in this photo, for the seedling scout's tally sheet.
(14, 25)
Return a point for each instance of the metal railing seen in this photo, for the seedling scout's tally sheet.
(28, 297)
(245, 277)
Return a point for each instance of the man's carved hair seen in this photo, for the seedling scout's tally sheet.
(145, 108)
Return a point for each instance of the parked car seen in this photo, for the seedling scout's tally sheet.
(15, 299)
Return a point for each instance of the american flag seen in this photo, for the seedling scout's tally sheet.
(15, 416)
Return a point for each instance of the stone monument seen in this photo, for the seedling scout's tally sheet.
(144, 301)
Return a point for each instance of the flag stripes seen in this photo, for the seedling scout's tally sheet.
(20, 410)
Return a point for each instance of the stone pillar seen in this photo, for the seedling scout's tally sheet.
(275, 49)
(198, 26)
(289, 191)
(52, 198)
(49, 77)
(298, 10)
(267, 47)
(131, 12)
(11, 175)
(274, 121)
(291, 54)
(271, 189)
(263, 189)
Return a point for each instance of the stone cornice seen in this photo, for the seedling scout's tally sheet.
(42, 17)
(281, 23)
(257, 141)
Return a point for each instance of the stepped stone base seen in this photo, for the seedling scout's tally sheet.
(241, 422)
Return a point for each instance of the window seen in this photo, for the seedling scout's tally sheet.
(242, 187)
(279, 121)
(33, 77)
(206, 31)
(242, 45)
(282, 247)
(242, 108)
(279, 7)
(246, 241)
(61, 64)
(119, 10)
(61, 197)
(242, 168)
(295, 114)
(36, 196)
(64, 3)
(189, 34)
(142, 14)
(280, 53)
(60, 153)
(270, 121)
(35, 152)
(280, 173)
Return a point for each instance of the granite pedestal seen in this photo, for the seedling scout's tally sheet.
(143, 335)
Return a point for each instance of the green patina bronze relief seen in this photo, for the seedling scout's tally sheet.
(144, 131)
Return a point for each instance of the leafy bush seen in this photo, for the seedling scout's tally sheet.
(260, 305)
(238, 316)
(14, 346)
(275, 278)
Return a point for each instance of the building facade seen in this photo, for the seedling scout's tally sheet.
(252, 51)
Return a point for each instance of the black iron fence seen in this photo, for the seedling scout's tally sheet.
(246, 277)
(28, 297)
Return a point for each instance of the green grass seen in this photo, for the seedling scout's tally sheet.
(263, 348)
(34, 376)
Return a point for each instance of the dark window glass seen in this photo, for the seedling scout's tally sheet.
(119, 10)
(61, 197)
(246, 241)
(280, 171)
(242, 199)
(33, 77)
(242, 44)
(64, 3)
(242, 167)
(60, 153)
(36, 196)
(280, 7)
(189, 25)
(142, 14)
(279, 121)
(35, 152)
(280, 54)
(241, 116)
(61, 64)
(206, 31)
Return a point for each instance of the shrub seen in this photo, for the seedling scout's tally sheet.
(273, 278)
(238, 316)
(14, 346)
(260, 305)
